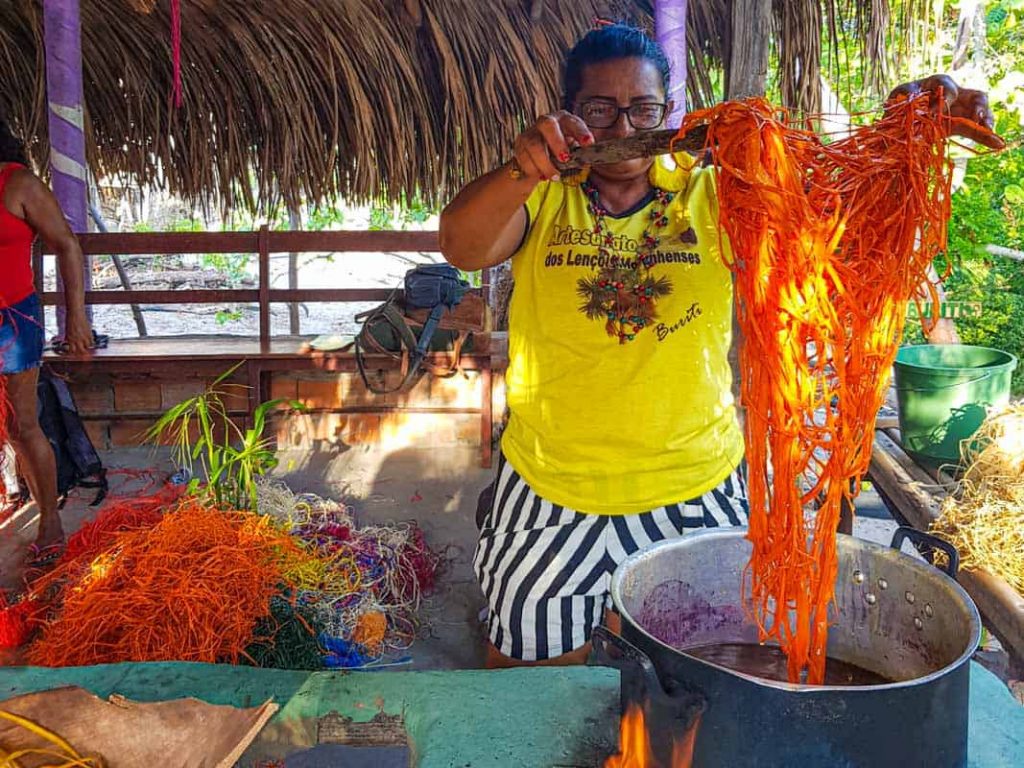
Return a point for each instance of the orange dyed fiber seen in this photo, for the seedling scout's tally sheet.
(190, 589)
(830, 243)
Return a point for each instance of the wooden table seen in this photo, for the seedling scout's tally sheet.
(914, 494)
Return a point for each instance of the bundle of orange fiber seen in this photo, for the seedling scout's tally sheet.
(830, 243)
(191, 588)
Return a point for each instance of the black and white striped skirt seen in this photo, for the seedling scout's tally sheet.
(546, 569)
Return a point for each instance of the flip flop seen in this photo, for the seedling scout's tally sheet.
(44, 557)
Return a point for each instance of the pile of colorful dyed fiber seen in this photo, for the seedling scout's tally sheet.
(366, 584)
(166, 578)
(984, 519)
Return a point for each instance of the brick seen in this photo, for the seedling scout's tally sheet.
(174, 392)
(319, 393)
(136, 396)
(461, 390)
(99, 434)
(92, 400)
(353, 391)
(357, 429)
(416, 430)
(467, 429)
(128, 433)
(235, 396)
(284, 387)
(418, 395)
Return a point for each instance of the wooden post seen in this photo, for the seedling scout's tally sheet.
(294, 223)
(263, 244)
(670, 30)
(63, 42)
(748, 61)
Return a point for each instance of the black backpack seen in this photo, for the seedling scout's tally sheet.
(78, 464)
(406, 325)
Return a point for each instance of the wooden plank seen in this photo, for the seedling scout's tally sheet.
(344, 241)
(153, 243)
(1001, 607)
(442, 409)
(157, 243)
(284, 353)
(205, 296)
(381, 731)
(329, 294)
(225, 296)
(888, 472)
(935, 473)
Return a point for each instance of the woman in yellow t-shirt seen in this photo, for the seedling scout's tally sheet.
(622, 428)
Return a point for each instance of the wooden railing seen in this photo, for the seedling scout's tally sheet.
(262, 243)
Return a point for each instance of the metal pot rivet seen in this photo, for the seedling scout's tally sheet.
(870, 598)
(928, 610)
(883, 584)
(910, 597)
(918, 623)
(858, 577)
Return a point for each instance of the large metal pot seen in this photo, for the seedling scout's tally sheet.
(896, 616)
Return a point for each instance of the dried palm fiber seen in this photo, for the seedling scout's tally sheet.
(830, 242)
(192, 588)
(298, 102)
(984, 517)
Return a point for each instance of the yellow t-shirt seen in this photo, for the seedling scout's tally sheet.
(615, 428)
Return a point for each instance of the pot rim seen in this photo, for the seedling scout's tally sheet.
(693, 539)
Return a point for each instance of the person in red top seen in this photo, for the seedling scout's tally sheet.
(29, 210)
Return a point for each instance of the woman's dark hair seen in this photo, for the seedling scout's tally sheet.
(606, 43)
(11, 148)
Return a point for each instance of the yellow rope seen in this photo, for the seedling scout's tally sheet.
(68, 756)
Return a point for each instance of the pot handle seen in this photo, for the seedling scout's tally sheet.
(926, 543)
(602, 637)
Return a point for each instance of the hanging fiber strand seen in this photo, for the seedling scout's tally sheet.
(829, 244)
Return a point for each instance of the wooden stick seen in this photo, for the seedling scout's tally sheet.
(644, 144)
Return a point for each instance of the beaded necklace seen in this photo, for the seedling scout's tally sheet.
(624, 292)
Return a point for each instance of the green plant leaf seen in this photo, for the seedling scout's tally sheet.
(1014, 194)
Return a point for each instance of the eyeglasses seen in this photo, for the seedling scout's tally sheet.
(604, 114)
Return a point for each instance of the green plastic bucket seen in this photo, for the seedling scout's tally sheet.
(944, 392)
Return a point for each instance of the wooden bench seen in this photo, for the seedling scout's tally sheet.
(258, 357)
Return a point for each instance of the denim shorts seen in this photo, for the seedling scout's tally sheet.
(21, 336)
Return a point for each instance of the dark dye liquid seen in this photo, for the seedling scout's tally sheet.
(769, 662)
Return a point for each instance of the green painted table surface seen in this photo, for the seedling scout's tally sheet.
(483, 719)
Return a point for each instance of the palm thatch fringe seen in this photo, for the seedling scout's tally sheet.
(291, 101)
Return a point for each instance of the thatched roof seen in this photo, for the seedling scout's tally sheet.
(291, 100)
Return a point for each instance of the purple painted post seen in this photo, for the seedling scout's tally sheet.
(63, 40)
(670, 29)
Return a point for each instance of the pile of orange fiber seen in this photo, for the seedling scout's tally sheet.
(191, 588)
(830, 242)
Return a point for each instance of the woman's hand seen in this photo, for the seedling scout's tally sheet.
(972, 117)
(78, 337)
(551, 137)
